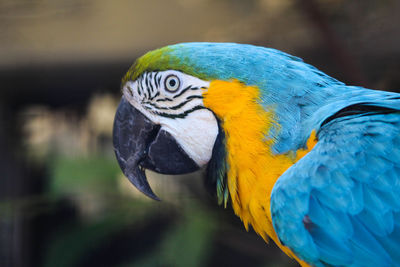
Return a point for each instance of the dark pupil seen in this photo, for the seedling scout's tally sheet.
(172, 82)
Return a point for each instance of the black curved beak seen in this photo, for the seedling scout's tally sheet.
(140, 144)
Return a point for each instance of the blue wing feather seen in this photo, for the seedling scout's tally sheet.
(349, 194)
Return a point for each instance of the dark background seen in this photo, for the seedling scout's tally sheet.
(63, 199)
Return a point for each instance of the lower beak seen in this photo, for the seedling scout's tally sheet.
(139, 144)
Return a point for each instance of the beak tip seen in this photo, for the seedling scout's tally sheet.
(138, 179)
(150, 194)
(156, 198)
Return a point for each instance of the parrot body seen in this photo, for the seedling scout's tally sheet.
(304, 159)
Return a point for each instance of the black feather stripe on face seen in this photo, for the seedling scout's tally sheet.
(172, 105)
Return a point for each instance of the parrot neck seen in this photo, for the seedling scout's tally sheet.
(252, 167)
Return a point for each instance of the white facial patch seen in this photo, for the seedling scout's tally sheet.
(174, 100)
(196, 134)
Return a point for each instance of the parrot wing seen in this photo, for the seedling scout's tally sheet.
(340, 203)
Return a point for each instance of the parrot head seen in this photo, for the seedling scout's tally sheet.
(161, 123)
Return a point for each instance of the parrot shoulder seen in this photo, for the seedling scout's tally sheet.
(339, 205)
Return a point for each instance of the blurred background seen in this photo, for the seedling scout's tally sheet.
(63, 199)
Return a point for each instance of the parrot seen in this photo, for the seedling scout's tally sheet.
(301, 157)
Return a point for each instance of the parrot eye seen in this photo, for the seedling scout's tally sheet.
(172, 83)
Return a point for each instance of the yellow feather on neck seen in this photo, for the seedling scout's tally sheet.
(253, 168)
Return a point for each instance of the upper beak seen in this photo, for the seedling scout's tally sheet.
(131, 133)
(139, 144)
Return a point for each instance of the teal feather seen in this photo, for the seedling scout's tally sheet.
(217, 169)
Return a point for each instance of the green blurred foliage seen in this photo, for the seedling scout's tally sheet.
(188, 242)
(82, 175)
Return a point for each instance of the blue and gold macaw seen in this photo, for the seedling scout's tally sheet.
(304, 159)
